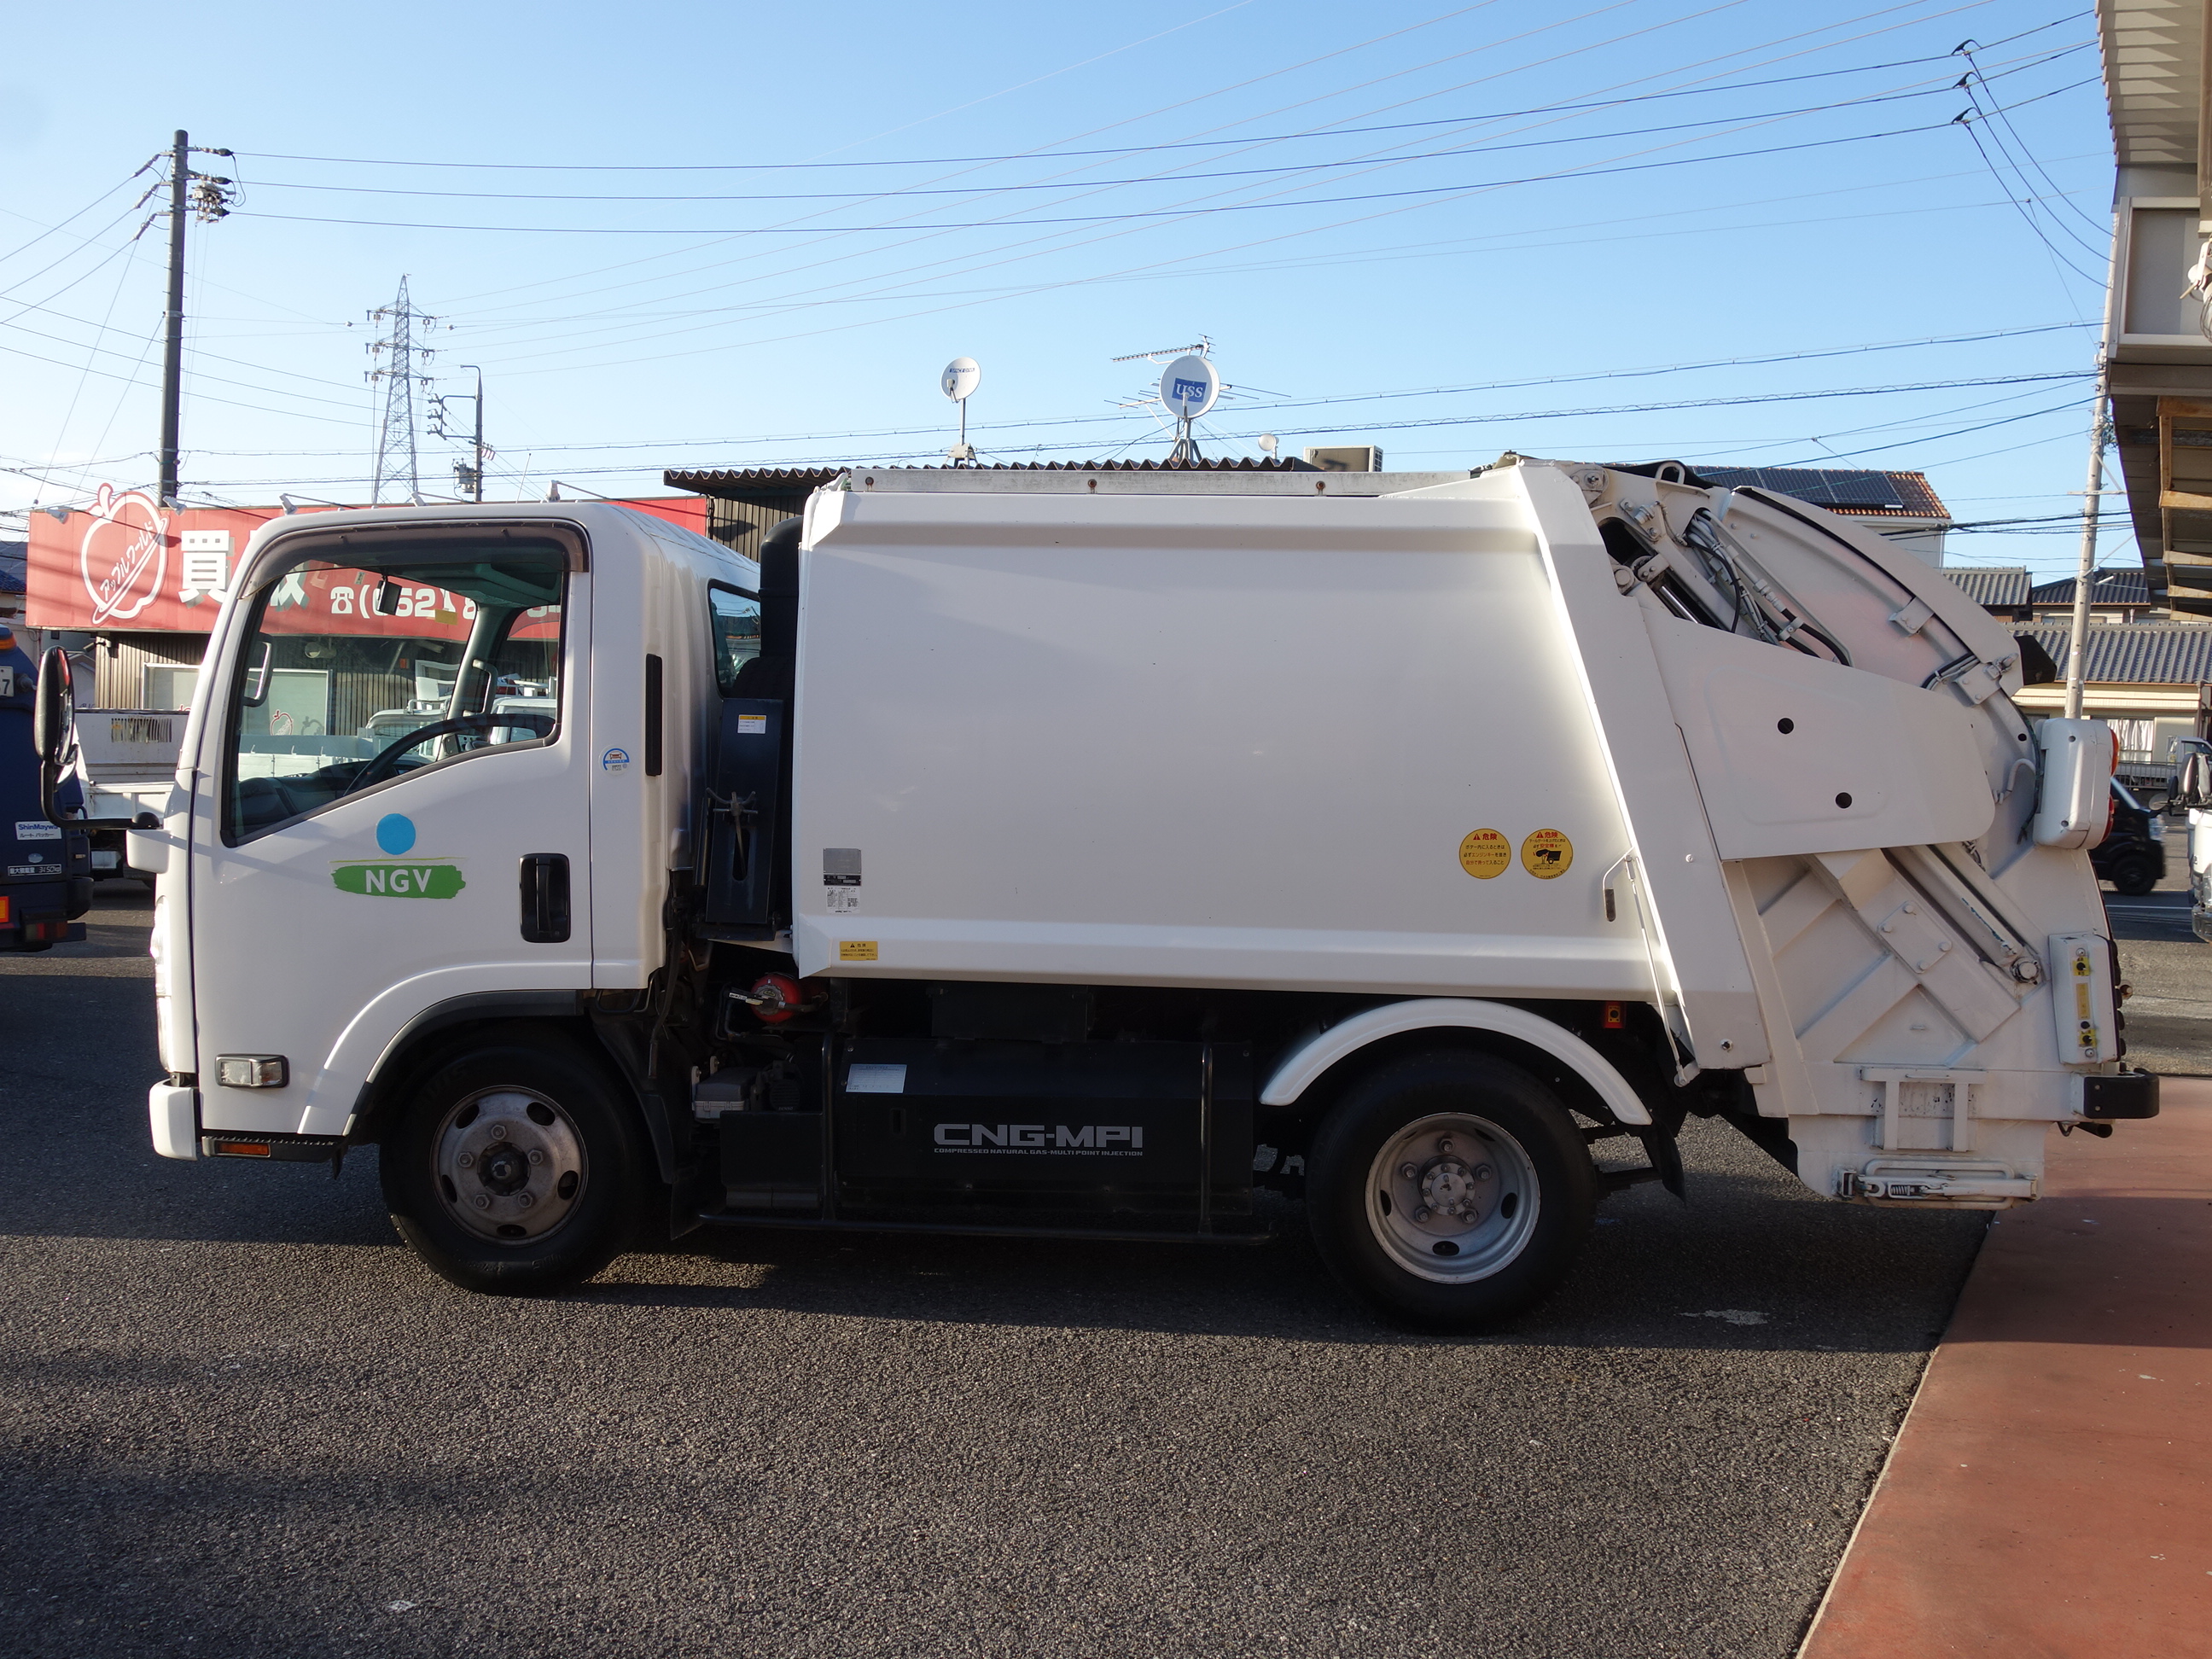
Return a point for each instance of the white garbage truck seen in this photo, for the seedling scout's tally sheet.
(1082, 853)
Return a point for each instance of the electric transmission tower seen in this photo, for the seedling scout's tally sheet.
(397, 372)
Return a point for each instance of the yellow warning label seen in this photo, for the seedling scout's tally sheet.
(1485, 854)
(1546, 854)
(856, 949)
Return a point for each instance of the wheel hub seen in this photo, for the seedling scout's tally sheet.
(1454, 1190)
(1452, 1197)
(509, 1164)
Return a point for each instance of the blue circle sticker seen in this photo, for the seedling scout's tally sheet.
(615, 760)
(395, 833)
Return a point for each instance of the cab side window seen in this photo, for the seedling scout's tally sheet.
(354, 676)
(736, 619)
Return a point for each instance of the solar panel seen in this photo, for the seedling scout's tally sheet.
(1820, 486)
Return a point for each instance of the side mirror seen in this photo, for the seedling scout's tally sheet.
(2194, 787)
(257, 677)
(53, 727)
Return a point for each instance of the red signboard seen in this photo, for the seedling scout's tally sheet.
(127, 565)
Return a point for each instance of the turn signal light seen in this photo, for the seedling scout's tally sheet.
(238, 1148)
(252, 1072)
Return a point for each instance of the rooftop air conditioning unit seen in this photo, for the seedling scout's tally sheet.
(1348, 457)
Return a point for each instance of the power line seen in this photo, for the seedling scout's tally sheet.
(1145, 150)
(1827, 46)
(1608, 374)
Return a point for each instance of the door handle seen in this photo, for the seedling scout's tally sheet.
(546, 898)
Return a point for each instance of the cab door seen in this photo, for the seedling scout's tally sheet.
(391, 804)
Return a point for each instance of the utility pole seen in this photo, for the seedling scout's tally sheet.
(468, 474)
(210, 201)
(173, 356)
(2100, 431)
(397, 465)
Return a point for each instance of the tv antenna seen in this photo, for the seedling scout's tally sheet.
(1190, 387)
(958, 382)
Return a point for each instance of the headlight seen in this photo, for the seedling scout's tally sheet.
(2157, 829)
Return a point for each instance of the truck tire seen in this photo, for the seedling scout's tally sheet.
(515, 1168)
(2135, 875)
(1450, 1188)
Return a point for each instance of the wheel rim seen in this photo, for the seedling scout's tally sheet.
(508, 1164)
(1452, 1198)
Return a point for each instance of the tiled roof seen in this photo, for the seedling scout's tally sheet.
(2138, 654)
(2127, 585)
(1994, 587)
(13, 555)
(1840, 490)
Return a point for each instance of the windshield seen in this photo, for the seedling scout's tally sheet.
(353, 676)
(2127, 798)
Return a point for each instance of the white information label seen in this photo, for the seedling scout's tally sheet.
(37, 830)
(876, 1080)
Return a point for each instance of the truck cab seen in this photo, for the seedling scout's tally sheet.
(1084, 855)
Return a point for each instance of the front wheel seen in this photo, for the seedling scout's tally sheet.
(514, 1170)
(1450, 1188)
(2134, 876)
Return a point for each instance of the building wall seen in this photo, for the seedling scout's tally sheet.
(739, 526)
(119, 675)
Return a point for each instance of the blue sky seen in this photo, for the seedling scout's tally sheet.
(726, 236)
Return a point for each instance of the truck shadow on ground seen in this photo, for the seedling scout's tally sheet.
(1752, 1262)
(1746, 1265)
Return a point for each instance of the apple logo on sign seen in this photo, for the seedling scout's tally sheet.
(124, 555)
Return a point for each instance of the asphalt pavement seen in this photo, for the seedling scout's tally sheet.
(2170, 969)
(237, 1417)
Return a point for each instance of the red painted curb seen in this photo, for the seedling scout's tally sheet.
(2051, 1493)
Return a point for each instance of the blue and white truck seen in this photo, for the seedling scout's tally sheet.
(45, 869)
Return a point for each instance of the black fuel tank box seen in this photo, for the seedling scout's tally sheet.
(1088, 1129)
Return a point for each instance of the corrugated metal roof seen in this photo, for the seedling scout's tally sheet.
(737, 483)
(1840, 490)
(2154, 59)
(2138, 654)
(2122, 587)
(711, 480)
(1994, 587)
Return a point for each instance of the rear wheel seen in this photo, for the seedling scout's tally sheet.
(2135, 875)
(1450, 1188)
(515, 1168)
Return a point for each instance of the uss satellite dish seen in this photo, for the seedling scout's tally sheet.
(1190, 386)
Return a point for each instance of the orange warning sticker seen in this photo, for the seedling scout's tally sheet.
(1485, 854)
(1546, 854)
(856, 949)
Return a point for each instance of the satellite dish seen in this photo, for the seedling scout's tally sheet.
(1269, 442)
(961, 377)
(1190, 387)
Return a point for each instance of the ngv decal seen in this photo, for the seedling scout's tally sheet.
(1042, 1141)
(394, 879)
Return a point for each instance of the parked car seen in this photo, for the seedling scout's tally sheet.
(2132, 855)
